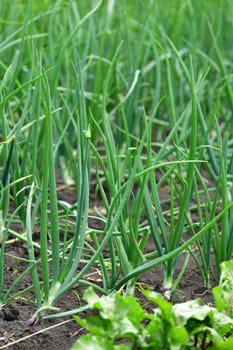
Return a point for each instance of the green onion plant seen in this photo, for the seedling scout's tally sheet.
(129, 103)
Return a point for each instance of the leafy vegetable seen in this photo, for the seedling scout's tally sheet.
(122, 323)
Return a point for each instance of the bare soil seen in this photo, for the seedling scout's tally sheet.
(60, 334)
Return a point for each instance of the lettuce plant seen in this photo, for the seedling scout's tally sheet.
(121, 323)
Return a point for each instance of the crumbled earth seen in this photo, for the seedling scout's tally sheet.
(60, 334)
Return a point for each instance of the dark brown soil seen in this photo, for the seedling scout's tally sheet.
(15, 334)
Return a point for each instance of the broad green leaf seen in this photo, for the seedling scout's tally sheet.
(226, 278)
(89, 342)
(221, 322)
(223, 294)
(220, 299)
(92, 298)
(225, 345)
(179, 336)
(118, 316)
(114, 306)
(190, 309)
(156, 332)
(128, 303)
(96, 325)
(157, 298)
